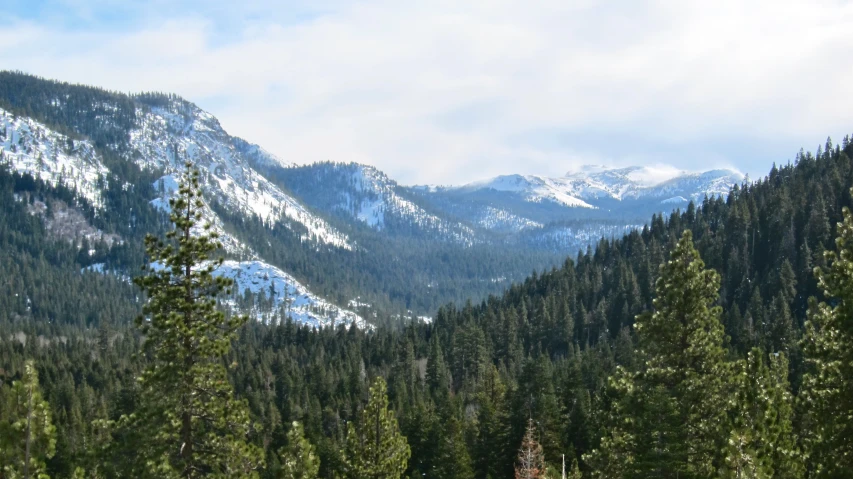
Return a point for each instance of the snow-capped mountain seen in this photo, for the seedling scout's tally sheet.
(162, 139)
(577, 209)
(637, 182)
(585, 187)
(345, 229)
(179, 131)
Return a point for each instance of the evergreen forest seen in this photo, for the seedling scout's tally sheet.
(715, 342)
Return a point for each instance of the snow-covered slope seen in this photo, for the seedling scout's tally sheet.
(584, 187)
(31, 147)
(386, 201)
(285, 295)
(496, 219)
(163, 138)
(534, 189)
(364, 194)
(166, 137)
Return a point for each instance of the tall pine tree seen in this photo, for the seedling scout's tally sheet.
(189, 423)
(28, 436)
(376, 449)
(668, 419)
(298, 460)
(827, 387)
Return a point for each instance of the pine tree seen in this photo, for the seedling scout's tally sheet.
(617, 451)
(189, 423)
(422, 430)
(827, 387)
(454, 461)
(28, 437)
(437, 373)
(298, 460)
(492, 449)
(761, 442)
(531, 459)
(783, 334)
(575, 472)
(376, 449)
(668, 419)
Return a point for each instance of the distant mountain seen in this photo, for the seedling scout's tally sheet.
(339, 236)
(575, 210)
(593, 187)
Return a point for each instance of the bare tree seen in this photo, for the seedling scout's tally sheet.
(531, 460)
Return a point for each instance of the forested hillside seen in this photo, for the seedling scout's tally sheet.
(120, 152)
(559, 358)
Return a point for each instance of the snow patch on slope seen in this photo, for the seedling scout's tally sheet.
(535, 189)
(502, 220)
(372, 212)
(166, 138)
(286, 294)
(31, 147)
(378, 198)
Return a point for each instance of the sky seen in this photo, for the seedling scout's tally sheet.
(452, 91)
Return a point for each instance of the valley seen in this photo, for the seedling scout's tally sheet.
(571, 318)
(306, 220)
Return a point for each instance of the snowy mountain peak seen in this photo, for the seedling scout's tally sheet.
(642, 176)
(645, 176)
(171, 132)
(584, 186)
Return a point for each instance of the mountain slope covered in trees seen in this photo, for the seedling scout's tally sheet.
(559, 352)
(352, 238)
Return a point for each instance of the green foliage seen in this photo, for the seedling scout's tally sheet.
(437, 373)
(493, 452)
(198, 428)
(762, 441)
(574, 472)
(298, 460)
(27, 433)
(376, 449)
(453, 460)
(827, 390)
(669, 416)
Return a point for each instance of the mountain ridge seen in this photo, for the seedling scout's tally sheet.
(347, 229)
(581, 188)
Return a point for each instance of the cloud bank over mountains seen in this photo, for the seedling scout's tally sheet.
(449, 92)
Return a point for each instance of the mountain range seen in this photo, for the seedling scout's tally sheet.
(325, 243)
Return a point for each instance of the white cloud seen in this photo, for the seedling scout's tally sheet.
(445, 91)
